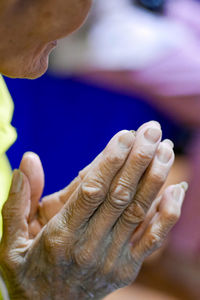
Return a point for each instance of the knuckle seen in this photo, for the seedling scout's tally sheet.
(81, 175)
(108, 267)
(9, 261)
(6, 211)
(134, 214)
(53, 239)
(119, 201)
(84, 258)
(9, 214)
(172, 216)
(91, 192)
(122, 192)
(47, 242)
(158, 177)
(144, 155)
(114, 159)
(154, 241)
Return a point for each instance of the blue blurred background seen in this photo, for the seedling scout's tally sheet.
(67, 122)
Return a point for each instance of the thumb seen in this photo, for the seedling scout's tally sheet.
(31, 166)
(16, 210)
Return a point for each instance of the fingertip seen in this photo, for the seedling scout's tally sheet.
(169, 143)
(174, 195)
(29, 157)
(165, 153)
(31, 165)
(184, 185)
(126, 139)
(32, 168)
(179, 190)
(153, 123)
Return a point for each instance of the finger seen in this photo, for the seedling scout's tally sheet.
(140, 229)
(31, 166)
(113, 262)
(155, 176)
(162, 216)
(95, 185)
(149, 187)
(124, 186)
(168, 214)
(16, 210)
(52, 204)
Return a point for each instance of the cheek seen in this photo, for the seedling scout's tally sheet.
(56, 24)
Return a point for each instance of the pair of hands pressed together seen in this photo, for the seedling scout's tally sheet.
(91, 238)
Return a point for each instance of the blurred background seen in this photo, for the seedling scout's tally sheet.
(133, 61)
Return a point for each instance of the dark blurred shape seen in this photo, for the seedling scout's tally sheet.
(152, 5)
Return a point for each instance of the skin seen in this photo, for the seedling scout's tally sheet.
(28, 29)
(92, 237)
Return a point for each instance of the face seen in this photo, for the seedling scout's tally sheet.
(29, 30)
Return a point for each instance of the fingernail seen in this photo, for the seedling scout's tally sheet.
(16, 182)
(156, 124)
(169, 142)
(126, 140)
(151, 123)
(164, 153)
(177, 192)
(152, 135)
(184, 186)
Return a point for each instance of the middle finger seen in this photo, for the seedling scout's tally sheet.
(124, 185)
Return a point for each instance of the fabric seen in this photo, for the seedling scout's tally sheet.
(7, 138)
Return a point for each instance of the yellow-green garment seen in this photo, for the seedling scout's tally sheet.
(7, 138)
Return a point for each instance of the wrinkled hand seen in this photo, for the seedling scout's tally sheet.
(105, 223)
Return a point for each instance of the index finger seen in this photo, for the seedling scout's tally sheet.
(95, 186)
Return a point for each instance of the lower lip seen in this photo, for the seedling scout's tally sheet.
(54, 43)
(50, 46)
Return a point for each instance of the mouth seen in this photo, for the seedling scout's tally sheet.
(43, 58)
(49, 47)
(54, 43)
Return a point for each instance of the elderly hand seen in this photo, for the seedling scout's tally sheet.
(91, 238)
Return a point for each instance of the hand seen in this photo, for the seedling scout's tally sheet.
(104, 230)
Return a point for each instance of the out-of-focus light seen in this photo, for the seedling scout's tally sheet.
(152, 3)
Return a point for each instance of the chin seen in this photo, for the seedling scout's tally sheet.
(38, 66)
(37, 69)
(41, 62)
(33, 66)
(28, 71)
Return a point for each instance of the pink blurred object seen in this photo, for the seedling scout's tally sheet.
(174, 83)
(185, 238)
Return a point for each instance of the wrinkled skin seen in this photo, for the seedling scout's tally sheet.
(28, 28)
(92, 237)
